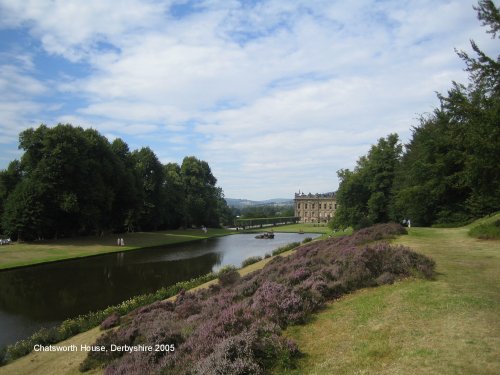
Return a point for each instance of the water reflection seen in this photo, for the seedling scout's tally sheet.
(44, 295)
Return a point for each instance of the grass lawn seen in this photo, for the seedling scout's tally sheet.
(22, 254)
(446, 326)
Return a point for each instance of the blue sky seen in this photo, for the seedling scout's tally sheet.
(275, 95)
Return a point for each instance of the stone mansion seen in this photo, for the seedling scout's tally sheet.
(315, 208)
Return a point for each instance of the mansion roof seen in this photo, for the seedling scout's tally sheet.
(300, 195)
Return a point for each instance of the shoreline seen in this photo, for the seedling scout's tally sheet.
(158, 238)
(104, 249)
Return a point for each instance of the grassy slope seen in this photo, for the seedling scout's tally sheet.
(22, 254)
(446, 326)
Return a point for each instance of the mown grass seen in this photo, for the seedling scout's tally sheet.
(446, 326)
(23, 254)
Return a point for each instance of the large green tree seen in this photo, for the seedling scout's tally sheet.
(201, 194)
(365, 196)
(150, 172)
(72, 181)
(73, 173)
(450, 171)
(175, 195)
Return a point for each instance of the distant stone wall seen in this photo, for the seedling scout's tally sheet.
(315, 208)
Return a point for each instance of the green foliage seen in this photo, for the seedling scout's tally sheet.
(265, 221)
(449, 171)
(287, 247)
(203, 200)
(24, 211)
(251, 260)
(487, 231)
(364, 196)
(71, 181)
(265, 210)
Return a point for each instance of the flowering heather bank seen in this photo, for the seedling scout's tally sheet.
(235, 328)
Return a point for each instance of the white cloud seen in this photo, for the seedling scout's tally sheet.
(276, 96)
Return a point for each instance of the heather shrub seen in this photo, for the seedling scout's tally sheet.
(279, 303)
(228, 277)
(377, 232)
(234, 327)
(97, 358)
(232, 356)
(111, 321)
(251, 260)
(385, 278)
(134, 363)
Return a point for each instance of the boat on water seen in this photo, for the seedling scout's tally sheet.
(267, 235)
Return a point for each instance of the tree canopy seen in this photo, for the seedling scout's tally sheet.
(72, 181)
(448, 172)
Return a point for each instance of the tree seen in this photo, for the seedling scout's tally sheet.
(127, 202)
(365, 194)
(450, 171)
(72, 181)
(9, 178)
(150, 172)
(175, 195)
(23, 217)
(201, 194)
(74, 174)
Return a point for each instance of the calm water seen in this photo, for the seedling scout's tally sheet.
(44, 295)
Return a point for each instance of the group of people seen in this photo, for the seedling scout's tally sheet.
(407, 222)
(120, 242)
(5, 241)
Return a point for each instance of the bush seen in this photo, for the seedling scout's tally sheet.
(282, 249)
(3, 352)
(228, 277)
(251, 260)
(307, 239)
(111, 321)
(488, 231)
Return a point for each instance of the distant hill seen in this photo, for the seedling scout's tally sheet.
(240, 203)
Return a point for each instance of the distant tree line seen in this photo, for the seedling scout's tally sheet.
(73, 181)
(264, 210)
(449, 171)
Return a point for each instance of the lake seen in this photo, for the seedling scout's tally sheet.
(45, 295)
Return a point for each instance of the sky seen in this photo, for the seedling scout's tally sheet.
(276, 95)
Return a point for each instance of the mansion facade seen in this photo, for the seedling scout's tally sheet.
(315, 208)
